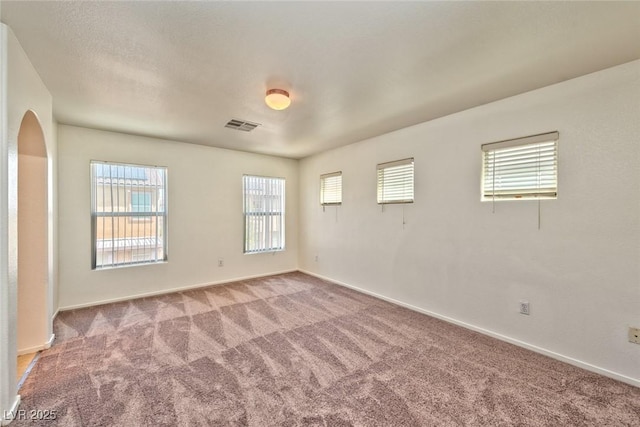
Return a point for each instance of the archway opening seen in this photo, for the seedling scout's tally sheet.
(33, 264)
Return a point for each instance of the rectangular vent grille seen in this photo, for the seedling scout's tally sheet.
(241, 125)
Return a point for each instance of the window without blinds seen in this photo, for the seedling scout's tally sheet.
(263, 214)
(331, 189)
(521, 168)
(128, 214)
(395, 182)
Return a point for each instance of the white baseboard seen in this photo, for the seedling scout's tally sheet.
(172, 290)
(54, 315)
(36, 348)
(9, 415)
(552, 354)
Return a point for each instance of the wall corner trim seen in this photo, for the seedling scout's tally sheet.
(49, 343)
(570, 360)
(9, 415)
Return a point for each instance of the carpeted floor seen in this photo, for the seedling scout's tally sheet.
(294, 350)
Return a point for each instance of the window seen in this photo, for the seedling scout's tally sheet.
(140, 201)
(331, 189)
(395, 182)
(263, 214)
(128, 214)
(521, 168)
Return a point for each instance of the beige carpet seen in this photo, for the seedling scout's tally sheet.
(292, 350)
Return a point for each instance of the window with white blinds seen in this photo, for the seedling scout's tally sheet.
(331, 189)
(521, 168)
(263, 214)
(128, 214)
(395, 182)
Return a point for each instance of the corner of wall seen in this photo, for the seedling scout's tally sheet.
(21, 90)
(53, 178)
(8, 399)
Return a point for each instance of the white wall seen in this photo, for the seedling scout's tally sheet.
(205, 220)
(21, 90)
(455, 258)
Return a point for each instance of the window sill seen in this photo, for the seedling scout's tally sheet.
(399, 202)
(273, 252)
(140, 264)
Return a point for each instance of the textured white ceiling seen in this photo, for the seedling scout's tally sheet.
(181, 70)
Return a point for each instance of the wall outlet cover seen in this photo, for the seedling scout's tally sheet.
(524, 307)
(634, 335)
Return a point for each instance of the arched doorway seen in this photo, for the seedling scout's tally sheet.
(32, 218)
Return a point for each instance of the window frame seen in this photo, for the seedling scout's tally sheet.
(381, 200)
(246, 215)
(545, 141)
(132, 217)
(323, 179)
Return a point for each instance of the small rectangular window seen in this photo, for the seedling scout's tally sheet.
(140, 201)
(128, 214)
(395, 182)
(331, 189)
(521, 168)
(263, 214)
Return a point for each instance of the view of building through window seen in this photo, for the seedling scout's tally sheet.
(128, 214)
(263, 214)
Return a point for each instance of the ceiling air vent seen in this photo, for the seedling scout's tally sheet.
(241, 125)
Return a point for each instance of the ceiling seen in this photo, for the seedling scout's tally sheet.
(181, 70)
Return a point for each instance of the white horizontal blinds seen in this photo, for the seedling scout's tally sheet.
(331, 188)
(263, 213)
(128, 212)
(395, 181)
(521, 168)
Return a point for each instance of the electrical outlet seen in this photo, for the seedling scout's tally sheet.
(634, 335)
(316, 258)
(220, 262)
(524, 307)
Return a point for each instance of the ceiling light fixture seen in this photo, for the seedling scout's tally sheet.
(277, 99)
